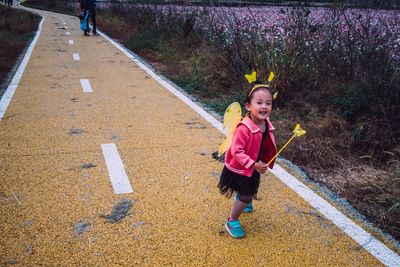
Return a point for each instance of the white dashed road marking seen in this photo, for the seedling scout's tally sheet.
(76, 56)
(116, 170)
(86, 86)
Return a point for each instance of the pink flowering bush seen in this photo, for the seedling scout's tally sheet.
(344, 59)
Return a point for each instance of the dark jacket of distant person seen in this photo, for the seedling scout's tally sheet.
(89, 4)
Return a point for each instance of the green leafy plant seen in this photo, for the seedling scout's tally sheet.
(351, 101)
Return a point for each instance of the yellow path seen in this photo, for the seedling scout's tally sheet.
(177, 216)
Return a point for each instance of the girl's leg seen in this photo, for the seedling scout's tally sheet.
(239, 205)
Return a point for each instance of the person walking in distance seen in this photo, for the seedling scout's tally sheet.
(253, 145)
(89, 9)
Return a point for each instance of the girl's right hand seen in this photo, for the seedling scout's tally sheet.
(261, 167)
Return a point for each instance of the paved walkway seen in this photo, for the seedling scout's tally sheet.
(52, 202)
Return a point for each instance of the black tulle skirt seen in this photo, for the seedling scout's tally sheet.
(231, 182)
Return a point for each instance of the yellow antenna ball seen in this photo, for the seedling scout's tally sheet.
(251, 77)
(271, 76)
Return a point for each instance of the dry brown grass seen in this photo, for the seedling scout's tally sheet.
(326, 155)
(16, 29)
(117, 26)
(376, 193)
(60, 6)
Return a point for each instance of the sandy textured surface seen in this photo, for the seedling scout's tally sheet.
(177, 215)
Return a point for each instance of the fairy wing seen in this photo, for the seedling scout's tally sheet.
(232, 117)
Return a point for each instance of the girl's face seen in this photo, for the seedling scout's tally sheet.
(260, 106)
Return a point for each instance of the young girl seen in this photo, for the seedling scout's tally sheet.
(252, 146)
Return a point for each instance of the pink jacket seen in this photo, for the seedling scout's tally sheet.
(243, 152)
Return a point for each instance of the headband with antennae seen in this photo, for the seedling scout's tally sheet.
(258, 86)
(253, 77)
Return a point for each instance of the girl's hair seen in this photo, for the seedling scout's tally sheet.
(255, 87)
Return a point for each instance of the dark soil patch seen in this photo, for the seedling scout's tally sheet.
(75, 131)
(87, 166)
(119, 211)
(81, 227)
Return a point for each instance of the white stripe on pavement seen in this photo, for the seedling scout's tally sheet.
(76, 56)
(67, 33)
(71, 42)
(86, 86)
(116, 170)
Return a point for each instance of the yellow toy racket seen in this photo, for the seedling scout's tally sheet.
(232, 117)
(297, 132)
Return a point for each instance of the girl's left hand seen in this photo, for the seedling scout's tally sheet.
(261, 167)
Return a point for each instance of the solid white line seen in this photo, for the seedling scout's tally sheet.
(64, 23)
(366, 240)
(116, 170)
(5, 101)
(86, 86)
(67, 33)
(76, 56)
(71, 42)
(8, 94)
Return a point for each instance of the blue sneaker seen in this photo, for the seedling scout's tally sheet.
(249, 208)
(234, 228)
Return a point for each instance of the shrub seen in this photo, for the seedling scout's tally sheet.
(147, 39)
(61, 6)
(352, 102)
(16, 29)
